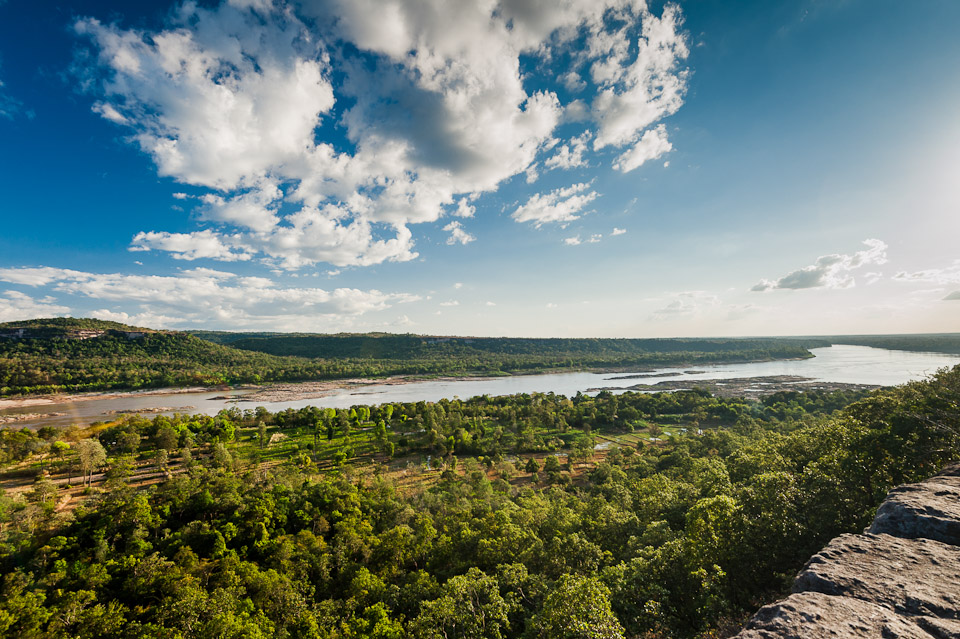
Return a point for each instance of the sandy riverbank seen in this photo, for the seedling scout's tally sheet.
(44, 400)
(280, 392)
(298, 391)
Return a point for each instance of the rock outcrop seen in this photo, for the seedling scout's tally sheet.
(900, 578)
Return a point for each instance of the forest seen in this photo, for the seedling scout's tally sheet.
(534, 516)
(60, 355)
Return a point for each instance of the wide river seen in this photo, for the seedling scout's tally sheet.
(848, 364)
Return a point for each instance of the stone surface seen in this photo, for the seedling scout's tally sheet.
(910, 576)
(813, 615)
(901, 578)
(930, 509)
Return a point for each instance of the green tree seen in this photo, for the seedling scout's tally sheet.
(91, 456)
(578, 608)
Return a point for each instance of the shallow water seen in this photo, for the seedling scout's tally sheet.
(848, 364)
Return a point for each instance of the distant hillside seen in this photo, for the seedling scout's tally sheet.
(925, 343)
(390, 346)
(56, 355)
(52, 355)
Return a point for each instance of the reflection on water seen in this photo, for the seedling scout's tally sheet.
(848, 364)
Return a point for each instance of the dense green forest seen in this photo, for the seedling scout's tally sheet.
(924, 342)
(62, 355)
(390, 346)
(633, 515)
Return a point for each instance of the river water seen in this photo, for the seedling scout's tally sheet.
(848, 364)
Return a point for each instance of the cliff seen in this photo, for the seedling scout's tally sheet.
(900, 578)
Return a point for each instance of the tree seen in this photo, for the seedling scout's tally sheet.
(470, 607)
(129, 442)
(551, 464)
(578, 608)
(60, 448)
(262, 434)
(167, 438)
(91, 455)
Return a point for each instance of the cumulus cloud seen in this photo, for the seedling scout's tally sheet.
(464, 208)
(829, 271)
(637, 93)
(457, 234)
(617, 231)
(570, 156)
(201, 296)
(15, 305)
(651, 146)
(364, 117)
(190, 246)
(559, 205)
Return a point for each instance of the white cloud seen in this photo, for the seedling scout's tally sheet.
(15, 305)
(189, 246)
(944, 276)
(617, 231)
(575, 240)
(829, 271)
(240, 99)
(464, 209)
(40, 276)
(205, 296)
(458, 285)
(252, 210)
(107, 111)
(651, 146)
(450, 303)
(570, 156)
(490, 304)
(560, 205)
(572, 81)
(148, 320)
(635, 94)
(687, 304)
(457, 234)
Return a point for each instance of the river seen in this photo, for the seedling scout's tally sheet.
(847, 364)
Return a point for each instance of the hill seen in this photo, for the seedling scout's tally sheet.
(65, 354)
(407, 346)
(921, 342)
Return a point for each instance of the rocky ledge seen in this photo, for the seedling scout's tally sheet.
(900, 578)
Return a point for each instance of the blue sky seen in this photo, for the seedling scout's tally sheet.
(501, 168)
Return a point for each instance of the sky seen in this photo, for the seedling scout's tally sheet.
(575, 168)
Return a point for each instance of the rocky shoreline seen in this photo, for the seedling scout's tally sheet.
(900, 578)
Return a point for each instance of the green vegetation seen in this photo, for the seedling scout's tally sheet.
(925, 343)
(492, 517)
(85, 355)
(386, 346)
